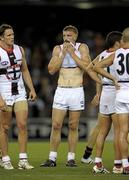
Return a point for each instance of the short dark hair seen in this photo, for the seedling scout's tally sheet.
(3, 27)
(111, 38)
(71, 28)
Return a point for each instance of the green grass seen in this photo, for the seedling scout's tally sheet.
(38, 153)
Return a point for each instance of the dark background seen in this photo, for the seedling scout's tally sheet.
(49, 20)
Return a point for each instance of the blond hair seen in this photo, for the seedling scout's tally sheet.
(125, 35)
(71, 28)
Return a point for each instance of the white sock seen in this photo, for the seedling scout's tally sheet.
(5, 158)
(53, 155)
(117, 161)
(22, 156)
(125, 163)
(98, 160)
(70, 156)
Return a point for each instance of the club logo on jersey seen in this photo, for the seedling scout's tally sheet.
(4, 63)
(82, 103)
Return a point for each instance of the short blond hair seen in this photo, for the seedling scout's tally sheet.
(71, 28)
(125, 35)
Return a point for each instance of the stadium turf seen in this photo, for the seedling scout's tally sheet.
(38, 153)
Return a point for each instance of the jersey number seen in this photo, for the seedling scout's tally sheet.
(123, 68)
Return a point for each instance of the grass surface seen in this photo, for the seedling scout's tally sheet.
(38, 153)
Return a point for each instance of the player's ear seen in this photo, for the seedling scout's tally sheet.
(75, 37)
(1, 38)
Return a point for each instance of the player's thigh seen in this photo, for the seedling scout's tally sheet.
(6, 117)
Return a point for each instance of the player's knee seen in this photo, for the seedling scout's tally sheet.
(21, 126)
(5, 128)
(123, 134)
(57, 126)
(73, 126)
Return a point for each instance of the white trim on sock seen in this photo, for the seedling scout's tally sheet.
(98, 159)
(22, 156)
(117, 161)
(5, 158)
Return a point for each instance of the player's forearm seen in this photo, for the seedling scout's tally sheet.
(94, 76)
(104, 73)
(55, 65)
(82, 64)
(98, 89)
(28, 80)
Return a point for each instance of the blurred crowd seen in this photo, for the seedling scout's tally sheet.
(38, 54)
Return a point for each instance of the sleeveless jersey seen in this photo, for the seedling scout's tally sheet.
(121, 64)
(109, 69)
(68, 61)
(11, 80)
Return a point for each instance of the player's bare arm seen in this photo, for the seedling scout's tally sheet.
(96, 99)
(84, 61)
(85, 58)
(27, 78)
(90, 67)
(99, 68)
(90, 71)
(57, 59)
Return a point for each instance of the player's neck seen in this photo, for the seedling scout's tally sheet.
(126, 45)
(111, 50)
(6, 46)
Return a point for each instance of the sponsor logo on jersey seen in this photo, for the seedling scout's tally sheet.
(4, 63)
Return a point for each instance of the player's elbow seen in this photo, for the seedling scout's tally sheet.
(50, 70)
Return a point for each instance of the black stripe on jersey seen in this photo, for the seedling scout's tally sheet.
(12, 58)
(14, 85)
(3, 71)
(15, 88)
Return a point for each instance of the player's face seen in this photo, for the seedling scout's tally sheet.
(69, 36)
(8, 37)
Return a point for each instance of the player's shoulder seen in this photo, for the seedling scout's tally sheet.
(83, 46)
(56, 47)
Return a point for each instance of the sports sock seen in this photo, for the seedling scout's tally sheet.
(117, 163)
(22, 156)
(88, 152)
(53, 155)
(70, 156)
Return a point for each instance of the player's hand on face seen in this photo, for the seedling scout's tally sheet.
(70, 48)
(65, 46)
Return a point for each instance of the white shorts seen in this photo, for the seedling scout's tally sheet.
(121, 107)
(107, 100)
(10, 100)
(69, 99)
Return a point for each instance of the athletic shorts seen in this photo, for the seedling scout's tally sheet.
(10, 100)
(121, 107)
(69, 99)
(107, 100)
